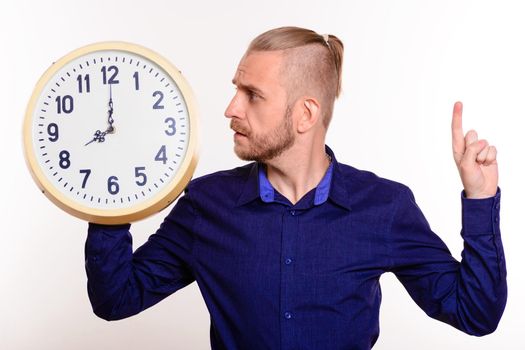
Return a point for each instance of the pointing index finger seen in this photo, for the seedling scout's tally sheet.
(458, 139)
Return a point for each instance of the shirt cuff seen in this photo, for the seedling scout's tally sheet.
(107, 228)
(480, 216)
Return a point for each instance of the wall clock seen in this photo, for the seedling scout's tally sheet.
(110, 133)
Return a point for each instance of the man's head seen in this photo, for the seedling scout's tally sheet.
(287, 83)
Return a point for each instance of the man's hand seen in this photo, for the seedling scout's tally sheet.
(475, 159)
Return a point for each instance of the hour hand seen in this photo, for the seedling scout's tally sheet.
(99, 136)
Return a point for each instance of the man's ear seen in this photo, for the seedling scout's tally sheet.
(310, 113)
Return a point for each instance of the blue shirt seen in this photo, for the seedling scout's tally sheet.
(305, 276)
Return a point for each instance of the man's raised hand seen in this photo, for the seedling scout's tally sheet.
(475, 159)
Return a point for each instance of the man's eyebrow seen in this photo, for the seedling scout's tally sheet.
(247, 87)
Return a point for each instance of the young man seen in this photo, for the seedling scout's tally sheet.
(288, 250)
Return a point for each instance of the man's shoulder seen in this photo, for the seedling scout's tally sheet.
(357, 180)
(228, 181)
(233, 174)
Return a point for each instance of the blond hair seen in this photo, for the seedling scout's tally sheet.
(312, 65)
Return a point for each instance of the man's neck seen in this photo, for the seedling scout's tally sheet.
(297, 171)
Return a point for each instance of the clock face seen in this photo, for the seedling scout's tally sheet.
(110, 133)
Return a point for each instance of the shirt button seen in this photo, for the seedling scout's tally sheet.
(292, 212)
(288, 261)
(496, 219)
(287, 315)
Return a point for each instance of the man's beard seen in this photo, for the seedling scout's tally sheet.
(262, 148)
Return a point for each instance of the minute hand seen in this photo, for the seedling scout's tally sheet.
(110, 128)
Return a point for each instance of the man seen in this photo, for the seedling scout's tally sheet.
(288, 250)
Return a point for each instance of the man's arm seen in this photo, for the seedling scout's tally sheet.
(470, 295)
(122, 283)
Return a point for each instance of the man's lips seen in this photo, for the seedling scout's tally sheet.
(238, 131)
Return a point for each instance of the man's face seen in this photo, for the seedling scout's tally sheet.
(259, 111)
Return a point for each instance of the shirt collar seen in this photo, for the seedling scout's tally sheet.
(331, 187)
(267, 192)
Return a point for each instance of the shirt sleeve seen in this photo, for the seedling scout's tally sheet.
(122, 283)
(469, 295)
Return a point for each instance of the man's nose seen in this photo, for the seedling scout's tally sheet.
(234, 109)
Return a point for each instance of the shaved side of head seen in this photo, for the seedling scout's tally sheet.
(312, 64)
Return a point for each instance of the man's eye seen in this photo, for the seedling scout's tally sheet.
(252, 96)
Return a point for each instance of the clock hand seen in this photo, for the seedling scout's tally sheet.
(99, 136)
(110, 128)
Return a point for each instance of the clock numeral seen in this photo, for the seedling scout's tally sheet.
(64, 161)
(139, 172)
(113, 186)
(171, 126)
(81, 84)
(86, 173)
(157, 104)
(161, 155)
(113, 79)
(136, 77)
(52, 130)
(64, 104)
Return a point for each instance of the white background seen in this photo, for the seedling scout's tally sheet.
(406, 62)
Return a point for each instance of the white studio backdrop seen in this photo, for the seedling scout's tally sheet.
(406, 62)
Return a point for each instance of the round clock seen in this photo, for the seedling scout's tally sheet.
(110, 133)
